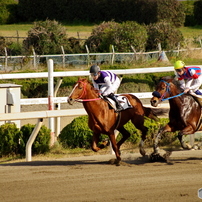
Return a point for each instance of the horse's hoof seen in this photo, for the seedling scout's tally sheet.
(156, 157)
(115, 162)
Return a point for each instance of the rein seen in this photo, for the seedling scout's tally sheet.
(172, 97)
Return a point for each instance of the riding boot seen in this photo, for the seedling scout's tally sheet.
(118, 105)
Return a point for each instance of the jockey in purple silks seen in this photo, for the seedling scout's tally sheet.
(190, 78)
(106, 82)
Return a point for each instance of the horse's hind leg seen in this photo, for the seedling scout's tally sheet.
(125, 136)
(95, 141)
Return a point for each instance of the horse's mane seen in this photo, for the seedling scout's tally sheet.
(90, 83)
(171, 79)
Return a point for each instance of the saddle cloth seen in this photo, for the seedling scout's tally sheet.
(125, 103)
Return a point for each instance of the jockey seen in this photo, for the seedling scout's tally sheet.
(107, 82)
(190, 78)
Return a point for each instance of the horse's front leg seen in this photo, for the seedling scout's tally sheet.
(162, 130)
(186, 131)
(115, 148)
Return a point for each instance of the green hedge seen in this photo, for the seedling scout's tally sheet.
(13, 140)
(78, 135)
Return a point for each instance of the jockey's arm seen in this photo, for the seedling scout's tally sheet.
(108, 85)
(95, 85)
(194, 82)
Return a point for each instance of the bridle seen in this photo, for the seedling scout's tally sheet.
(158, 95)
(83, 93)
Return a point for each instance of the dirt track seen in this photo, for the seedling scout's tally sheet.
(92, 178)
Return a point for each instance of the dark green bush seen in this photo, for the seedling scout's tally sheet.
(47, 37)
(42, 141)
(121, 35)
(164, 33)
(11, 140)
(77, 133)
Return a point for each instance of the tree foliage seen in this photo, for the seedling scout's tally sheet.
(198, 11)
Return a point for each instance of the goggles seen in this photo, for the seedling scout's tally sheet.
(93, 74)
(179, 70)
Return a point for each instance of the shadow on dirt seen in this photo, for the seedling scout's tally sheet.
(126, 161)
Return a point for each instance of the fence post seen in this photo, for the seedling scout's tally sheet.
(6, 59)
(63, 57)
(134, 52)
(34, 54)
(113, 54)
(50, 99)
(88, 56)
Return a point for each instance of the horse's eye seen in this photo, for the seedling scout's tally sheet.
(80, 87)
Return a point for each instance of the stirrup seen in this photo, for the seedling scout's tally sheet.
(118, 109)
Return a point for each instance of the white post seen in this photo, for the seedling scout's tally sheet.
(50, 99)
(31, 140)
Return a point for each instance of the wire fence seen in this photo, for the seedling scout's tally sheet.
(83, 60)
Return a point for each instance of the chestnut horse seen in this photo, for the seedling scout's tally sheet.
(184, 114)
(104, 120)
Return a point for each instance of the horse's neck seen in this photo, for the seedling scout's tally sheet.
(92, 105)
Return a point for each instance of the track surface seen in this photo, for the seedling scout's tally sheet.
(92, 178)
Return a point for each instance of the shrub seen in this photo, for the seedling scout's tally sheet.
(78, 134)
(42, 141)
(47, 37)
(164, 33)
(120, 35)
(11, 141)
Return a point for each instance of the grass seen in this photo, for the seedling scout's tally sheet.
(84, 31)
(73, 30)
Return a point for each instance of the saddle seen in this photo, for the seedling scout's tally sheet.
(125, 103)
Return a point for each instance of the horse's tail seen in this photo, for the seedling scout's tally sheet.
(150, 113)
(153, 113)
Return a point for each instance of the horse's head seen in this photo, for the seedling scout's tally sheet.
(79, 91)
(163, 90)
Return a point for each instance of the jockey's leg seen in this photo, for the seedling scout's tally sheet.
(118, 105)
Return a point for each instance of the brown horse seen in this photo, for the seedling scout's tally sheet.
(184, 114)
(104, 120)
